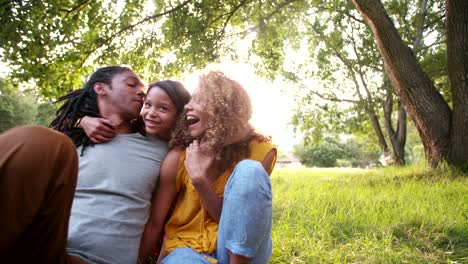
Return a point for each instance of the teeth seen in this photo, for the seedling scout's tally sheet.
(192, 119)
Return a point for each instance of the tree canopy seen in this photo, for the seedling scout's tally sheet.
(349, 46)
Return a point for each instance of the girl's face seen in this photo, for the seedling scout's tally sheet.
(159, 113)
(197, 118)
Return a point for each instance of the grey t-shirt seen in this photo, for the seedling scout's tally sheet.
(112, 198)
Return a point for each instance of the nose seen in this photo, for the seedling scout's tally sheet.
(188, 106)
(140, 89)
(152, 112)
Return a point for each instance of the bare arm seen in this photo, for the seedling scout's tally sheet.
(160, 205)
(198, 162)
(268, 161)
(99, 130)
(210, 199)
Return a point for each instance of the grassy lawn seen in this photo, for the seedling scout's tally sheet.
(407, 215)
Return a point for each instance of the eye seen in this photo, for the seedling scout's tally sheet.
(146, 104)
(163, 108)
(131, 85)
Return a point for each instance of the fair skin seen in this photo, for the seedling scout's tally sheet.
(202, 170)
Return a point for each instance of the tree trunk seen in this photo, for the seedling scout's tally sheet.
(398, 137)
(457, 61)
(425, 105)
(378, 132)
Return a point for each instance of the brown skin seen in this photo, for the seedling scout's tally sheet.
(121, 101)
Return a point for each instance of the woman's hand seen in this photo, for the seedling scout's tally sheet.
(99, 130)
(199, 163)
(198, 160)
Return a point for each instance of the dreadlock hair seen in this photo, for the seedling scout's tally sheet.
(80, 103)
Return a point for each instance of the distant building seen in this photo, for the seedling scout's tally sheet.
(288, 162)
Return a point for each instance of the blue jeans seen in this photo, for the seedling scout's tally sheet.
(246, 218)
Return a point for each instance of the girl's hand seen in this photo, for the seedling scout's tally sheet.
(99, 130)
(198, 160)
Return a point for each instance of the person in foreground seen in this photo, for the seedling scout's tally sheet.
(38, 170)
(217, 174)
(116, 180)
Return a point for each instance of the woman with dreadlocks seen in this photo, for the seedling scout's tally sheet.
(218, 176)
(116, 180)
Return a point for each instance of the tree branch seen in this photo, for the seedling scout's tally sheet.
(230, 14)
(263, 19)
(324, 8)
(333, 98)
(132, 26)
(79, 6)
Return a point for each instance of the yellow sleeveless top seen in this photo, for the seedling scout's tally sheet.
(190, 225)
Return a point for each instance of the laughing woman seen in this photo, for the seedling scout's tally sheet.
(217, 174)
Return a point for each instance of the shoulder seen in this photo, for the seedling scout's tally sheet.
(260, 147)
(265, 152)
(173, 166)
(173, 155)
(172, 159)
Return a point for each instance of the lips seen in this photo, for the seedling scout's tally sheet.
(191, 120)
(139, 102)
(151, 123)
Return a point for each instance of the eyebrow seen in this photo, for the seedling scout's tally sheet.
(134, 79)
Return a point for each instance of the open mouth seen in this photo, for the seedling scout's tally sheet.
(191, 120)
(151, 122)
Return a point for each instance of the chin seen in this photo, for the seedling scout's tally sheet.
(150, 132)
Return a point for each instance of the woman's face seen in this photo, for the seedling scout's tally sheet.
(159, 113)
(197, 119)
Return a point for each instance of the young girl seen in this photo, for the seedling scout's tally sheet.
(218, 176)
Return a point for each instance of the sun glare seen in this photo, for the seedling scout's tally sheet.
(272, 102)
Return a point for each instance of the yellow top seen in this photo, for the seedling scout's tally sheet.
(190, 225)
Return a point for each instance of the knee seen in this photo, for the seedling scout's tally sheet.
(250, 166)
(249, 171)
(248, 177)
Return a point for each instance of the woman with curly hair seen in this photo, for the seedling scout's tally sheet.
(215, 181)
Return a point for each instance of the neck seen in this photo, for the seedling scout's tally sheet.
(121, 124)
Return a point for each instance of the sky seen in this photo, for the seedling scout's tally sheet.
(272, 102)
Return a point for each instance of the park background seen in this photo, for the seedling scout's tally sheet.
(367, 102)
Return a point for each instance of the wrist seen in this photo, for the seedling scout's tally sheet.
(199, 181)
(77, 123)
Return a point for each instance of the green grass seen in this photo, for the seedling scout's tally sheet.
(405, 215)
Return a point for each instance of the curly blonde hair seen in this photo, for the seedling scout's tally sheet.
(229, 109)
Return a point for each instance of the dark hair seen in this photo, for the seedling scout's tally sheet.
(175, 90)
(82, 102)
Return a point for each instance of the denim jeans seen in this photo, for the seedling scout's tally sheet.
(246, 218)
